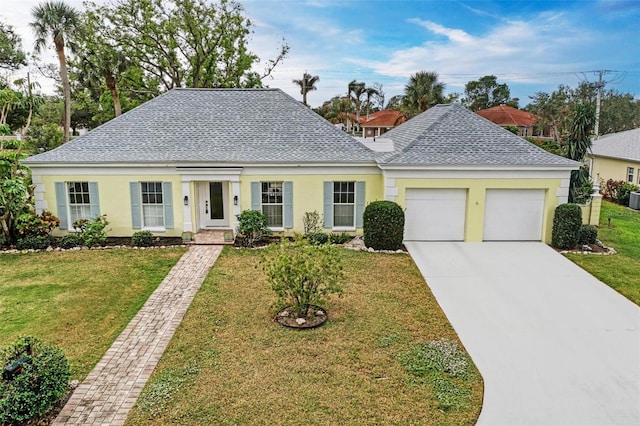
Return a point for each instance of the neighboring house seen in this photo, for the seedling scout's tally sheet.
(380, 122)
(616, 156)
(507, 116)
(189, 160)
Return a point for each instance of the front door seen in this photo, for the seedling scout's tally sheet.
(212, 205)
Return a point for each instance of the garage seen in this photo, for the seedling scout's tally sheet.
(513, 214)
(435, 214)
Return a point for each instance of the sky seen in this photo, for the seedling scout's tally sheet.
(532, 46)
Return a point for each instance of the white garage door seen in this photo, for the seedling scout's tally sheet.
(513, 214)
(435, 214)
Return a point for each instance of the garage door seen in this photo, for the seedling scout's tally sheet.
(513, 214)
(435, 214)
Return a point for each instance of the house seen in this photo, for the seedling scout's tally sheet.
(190, 160)
(378, 123)
(616, 156)
(507, 116)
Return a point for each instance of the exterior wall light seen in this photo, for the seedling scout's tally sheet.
(235, 200)
(186, 200)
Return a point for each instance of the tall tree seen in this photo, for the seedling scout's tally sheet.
(577, 144)
(11, 55)
(355, 92)
(306, 84)
(56, 20)
(486, 93)
(422, 92)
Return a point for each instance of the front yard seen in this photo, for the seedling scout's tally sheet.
(230, 363)
(622, 271)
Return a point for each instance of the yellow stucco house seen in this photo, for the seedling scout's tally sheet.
(616, 156)
(193, 159)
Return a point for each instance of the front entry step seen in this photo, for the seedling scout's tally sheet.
(213, 237)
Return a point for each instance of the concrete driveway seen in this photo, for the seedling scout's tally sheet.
(554, 345)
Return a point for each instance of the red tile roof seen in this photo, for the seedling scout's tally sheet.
(384, 118)
(504, 115)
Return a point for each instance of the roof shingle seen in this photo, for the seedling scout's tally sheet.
(625, 145)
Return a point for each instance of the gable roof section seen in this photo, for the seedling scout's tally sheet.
(453, 135)
(623, 145)
(213, 125)
(504, 115)
(384, 118)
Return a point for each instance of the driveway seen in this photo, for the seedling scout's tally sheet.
(554, 345)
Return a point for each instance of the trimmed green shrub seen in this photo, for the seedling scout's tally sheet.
(92, 231)
(252, 227)
(41, 383)
(588, 234)
(318, 238)
(339, 238)
(624, 193)
(142, 239)
(71, 241)
(35, 242)
(383, 225)
(566, 226)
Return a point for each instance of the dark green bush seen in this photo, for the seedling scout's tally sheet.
(252, 227)
(624, 193)
(588, 234)
(339, 238)
(43, 381)
(142, 239)
(566, 226)
(71, 241)
(36, 242)
(383, 225)
(318, 238)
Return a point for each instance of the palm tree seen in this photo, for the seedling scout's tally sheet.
(422, 92)
(307, 84)
(57, 20)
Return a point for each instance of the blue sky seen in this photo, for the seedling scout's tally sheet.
(530, 45)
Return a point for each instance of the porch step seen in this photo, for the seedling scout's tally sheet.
(213, 237)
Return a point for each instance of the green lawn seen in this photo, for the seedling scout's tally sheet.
(231, 363)
(621, 271)
(78, 300)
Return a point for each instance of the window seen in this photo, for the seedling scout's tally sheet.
(79, 201)
(638, 176)
(152, 205)
(630, 174)
(271, 199)
(343, 204)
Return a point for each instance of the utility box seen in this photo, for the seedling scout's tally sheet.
(634, 200)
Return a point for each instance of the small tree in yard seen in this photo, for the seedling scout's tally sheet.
(252, 227)
(302, 274)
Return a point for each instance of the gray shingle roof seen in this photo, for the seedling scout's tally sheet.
(625, 145)
(453, 135)
(214, 125)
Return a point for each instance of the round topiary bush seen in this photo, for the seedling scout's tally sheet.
(71, 241)
(35, 378)
(383, 225)
(588, 234)
(142, 239)
(566, 226)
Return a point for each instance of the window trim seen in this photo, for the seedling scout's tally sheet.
(143, 226)
(281, 203)
(351, 227)
(69, 204)
(630, 173)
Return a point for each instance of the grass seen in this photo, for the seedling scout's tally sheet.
(230, 363)
(78, 300)
(621, 271)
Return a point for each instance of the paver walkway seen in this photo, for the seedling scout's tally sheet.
(108, 393)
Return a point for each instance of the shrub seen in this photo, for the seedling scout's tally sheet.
(35, 242)
(624, 193)
(71, 241)
(31, 224)
(312, 222)
(252, 227)
(318, 238)
(92, 231)
(142, 239)
(588, 234)
(302, 274)
(383, 225)
(610, 190)
(566, 226)
(339, 238)
(43, 381)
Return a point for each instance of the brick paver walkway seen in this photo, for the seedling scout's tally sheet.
(110, 390)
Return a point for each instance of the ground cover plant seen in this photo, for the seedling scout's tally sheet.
(79, 300)
(231, 363)
(621, 271)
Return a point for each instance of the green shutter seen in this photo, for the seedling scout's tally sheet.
(61, 205)
(255, 196)
(328, 204)
(94, 200)
(136, 212)
(360, 199)
(288, 204)
(167, 201)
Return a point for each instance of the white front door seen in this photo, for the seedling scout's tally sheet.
(212, 204)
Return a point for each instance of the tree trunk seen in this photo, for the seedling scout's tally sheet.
(66, 88)
(111, 85)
